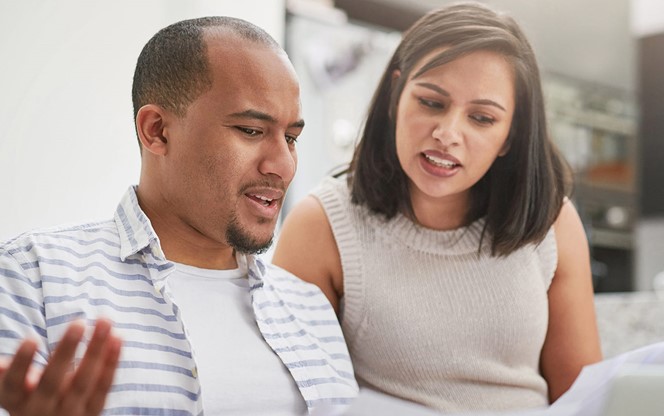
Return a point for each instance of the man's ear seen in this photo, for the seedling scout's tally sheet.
(151, 128)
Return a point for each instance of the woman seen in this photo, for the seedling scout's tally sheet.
(457, 266)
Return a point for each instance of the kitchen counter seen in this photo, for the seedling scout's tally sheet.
(629, 320)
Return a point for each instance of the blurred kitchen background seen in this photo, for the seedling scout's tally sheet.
(603, 74)
(68, 150)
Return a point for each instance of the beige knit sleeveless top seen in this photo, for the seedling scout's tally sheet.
(430, 320)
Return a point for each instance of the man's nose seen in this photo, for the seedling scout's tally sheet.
(279, 159)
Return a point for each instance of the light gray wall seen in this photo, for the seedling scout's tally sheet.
(647, 17)
(67, 145)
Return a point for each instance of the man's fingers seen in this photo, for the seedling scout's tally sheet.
(46, 395)
(84, 391)
(77, 393)
(105, 380)
(13, 381)
(90, 365)
(4, 364)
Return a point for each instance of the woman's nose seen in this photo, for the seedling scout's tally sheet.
(447, 130)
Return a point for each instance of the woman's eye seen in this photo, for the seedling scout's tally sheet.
(430, 103)
(249, 132)
(482, 119)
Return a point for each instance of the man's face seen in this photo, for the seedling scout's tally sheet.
(232, 156)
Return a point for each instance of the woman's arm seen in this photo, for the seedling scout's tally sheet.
(572, 340)
(306, 247)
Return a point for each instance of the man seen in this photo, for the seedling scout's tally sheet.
(205, 324)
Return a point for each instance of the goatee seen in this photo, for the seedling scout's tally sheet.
(243, 242)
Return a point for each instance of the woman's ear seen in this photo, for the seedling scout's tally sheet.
(395, 77)
(508, 143)
(150, 127)
(506, 147)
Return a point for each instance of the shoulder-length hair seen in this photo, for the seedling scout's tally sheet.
(523, 191)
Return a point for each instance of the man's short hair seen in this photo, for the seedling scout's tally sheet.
(172, 69)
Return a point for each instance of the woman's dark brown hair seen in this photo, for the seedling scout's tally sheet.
(523, 191)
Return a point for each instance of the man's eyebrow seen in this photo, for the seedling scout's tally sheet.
(259, 115)
(255, 115)
(443, 92)
(298, 124)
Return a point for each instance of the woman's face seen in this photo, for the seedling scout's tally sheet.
(452, 123)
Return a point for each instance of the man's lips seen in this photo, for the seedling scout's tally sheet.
(262, 200)
(266, 197)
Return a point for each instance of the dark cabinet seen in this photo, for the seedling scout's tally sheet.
(595, 127)
(651, 125)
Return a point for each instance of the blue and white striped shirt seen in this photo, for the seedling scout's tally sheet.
(117, 269)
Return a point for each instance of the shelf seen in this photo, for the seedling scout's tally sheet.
(595, 120)
(594, 186)
(611, 239)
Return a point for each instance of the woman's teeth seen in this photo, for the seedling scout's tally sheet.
(440, 162)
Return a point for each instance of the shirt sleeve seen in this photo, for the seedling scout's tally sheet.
(21, 303)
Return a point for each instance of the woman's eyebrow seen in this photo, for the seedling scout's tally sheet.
(441, 91)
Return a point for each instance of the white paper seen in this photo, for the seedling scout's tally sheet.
(588, 396)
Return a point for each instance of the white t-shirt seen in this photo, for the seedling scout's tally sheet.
(239, 372)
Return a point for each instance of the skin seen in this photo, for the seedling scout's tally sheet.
(202, 173)
(457, 113)
(234, 145)
(57, 389)
(461, 112)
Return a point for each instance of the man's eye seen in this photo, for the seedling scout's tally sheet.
(249, 132)
(291, 139)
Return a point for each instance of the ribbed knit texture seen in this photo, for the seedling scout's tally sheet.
(429, 319)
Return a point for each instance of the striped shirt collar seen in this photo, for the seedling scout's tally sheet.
(136, 234)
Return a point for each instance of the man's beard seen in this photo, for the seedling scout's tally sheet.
(238, 238)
